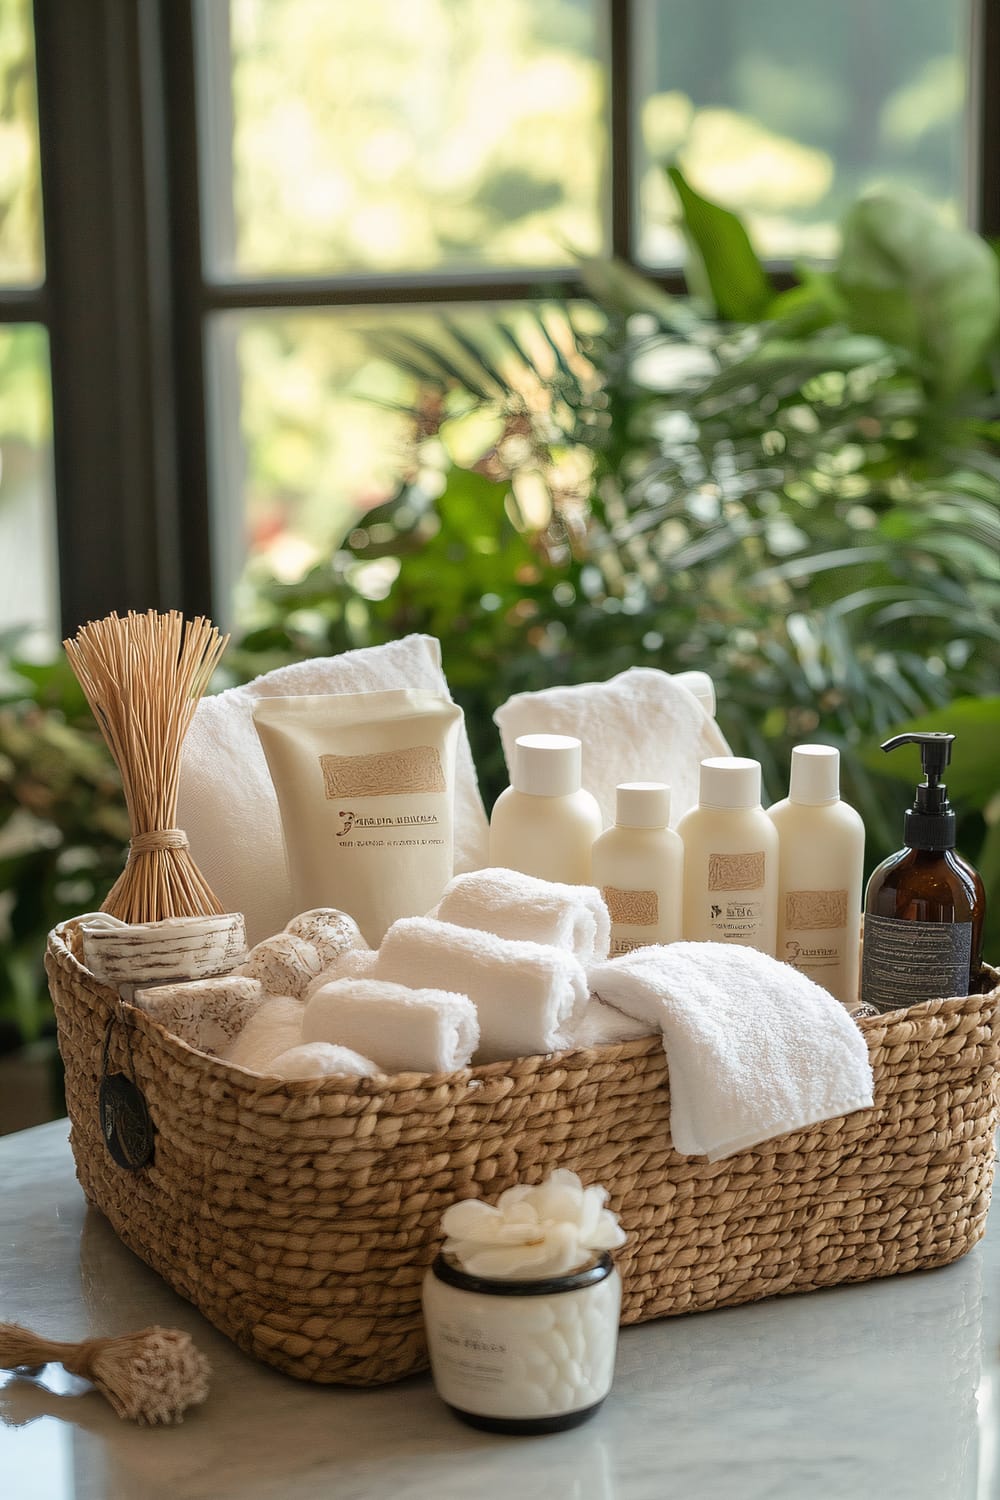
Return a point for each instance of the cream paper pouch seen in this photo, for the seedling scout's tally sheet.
(366, 788)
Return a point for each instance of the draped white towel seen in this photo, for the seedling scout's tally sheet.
(227, 804)
(754, 1048)
(526, 995)
(521, 907)
(639, 726)
(402, 1030)
(601, 1024)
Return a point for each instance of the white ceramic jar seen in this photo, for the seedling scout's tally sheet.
(523, 1356)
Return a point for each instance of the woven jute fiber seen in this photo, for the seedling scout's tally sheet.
(300, 1216)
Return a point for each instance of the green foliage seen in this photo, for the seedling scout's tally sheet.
(723, 266)
(920, 284)
(63, 825)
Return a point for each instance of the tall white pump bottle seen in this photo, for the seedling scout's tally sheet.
(820, 869)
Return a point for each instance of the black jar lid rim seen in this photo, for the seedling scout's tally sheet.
(502, 1286)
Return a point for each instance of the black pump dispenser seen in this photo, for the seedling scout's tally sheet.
(930, 822)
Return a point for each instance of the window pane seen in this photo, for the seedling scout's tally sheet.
(787, 112)
(28, 590)
(20, 180)
(312, 427)
(400, 135)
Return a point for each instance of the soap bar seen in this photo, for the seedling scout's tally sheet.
(206, 1013)
(285, 964)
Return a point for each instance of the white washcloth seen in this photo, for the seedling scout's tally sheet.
(640, 726)
(272, 1029)
(754, 1048)
(519, 906)
(227, 804)
(321, 1060)
(600, 1024)
(526, 995)
(403, 1030)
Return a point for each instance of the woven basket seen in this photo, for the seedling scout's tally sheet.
(299, 1216)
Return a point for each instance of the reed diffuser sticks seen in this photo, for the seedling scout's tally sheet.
(143, 676)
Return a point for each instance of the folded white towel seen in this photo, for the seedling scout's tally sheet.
(403, 1030)
(272, 1029)
(526, 995)
(321, 1060)
(600, 1024)
(640, 726)
(519, 906)
(754, 1048)
(227, 803)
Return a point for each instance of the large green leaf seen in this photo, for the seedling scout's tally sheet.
(724, 259)
(974, 773)
(921, 284)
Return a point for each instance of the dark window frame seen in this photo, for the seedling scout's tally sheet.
(126, 302)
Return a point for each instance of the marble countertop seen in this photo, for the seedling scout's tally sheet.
(871, 1392)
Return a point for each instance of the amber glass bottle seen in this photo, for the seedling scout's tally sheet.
(924, 906)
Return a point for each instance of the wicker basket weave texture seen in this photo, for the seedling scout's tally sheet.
(299, 1216)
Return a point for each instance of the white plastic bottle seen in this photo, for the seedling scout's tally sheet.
(639, 867)
(820, 865)
(730, 859)
(545, 824)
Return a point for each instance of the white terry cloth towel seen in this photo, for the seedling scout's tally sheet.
(518, 906)
(526, 995)
(272, 1029)
(402, 1030)
(227, 804)
(639, 726)
(754, 1048)
(600, 1024)
(321, 1060)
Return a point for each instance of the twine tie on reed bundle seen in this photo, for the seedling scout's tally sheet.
(143, 676)
(148, 1377)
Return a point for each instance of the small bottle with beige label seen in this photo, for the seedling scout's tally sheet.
(820, 868)
(639, 867)
(545, 823)
(730, 859)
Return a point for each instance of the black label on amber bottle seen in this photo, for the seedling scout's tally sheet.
(904, 962)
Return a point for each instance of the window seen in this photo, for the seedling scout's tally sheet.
(245, 200)
(28, 592)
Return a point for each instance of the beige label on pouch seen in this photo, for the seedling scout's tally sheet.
(736, 872)
(813, 911)
(632, 908)
(389, 773)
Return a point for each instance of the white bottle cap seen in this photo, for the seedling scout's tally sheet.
(547, 765)
(815, 776)
(701, 686)
(729, 781)
(642, 804)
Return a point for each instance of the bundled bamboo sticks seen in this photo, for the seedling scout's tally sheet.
(143, 676)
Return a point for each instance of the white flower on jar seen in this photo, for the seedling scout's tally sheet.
(532, 1232)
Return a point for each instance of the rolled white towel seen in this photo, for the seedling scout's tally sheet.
(272, 1029)
(524, 908)
(527, 996)
(321, 1060)
(402, 1030)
